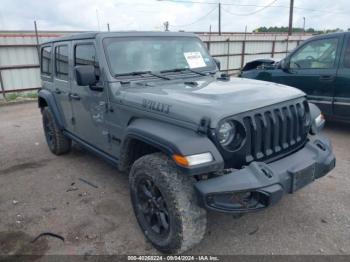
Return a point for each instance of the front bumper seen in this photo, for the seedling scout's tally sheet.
(261, 185)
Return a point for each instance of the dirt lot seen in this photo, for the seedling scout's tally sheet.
(40, 192)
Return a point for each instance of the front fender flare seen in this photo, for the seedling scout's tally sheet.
(172, 140)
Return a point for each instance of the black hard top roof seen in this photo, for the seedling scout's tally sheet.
(91, 35)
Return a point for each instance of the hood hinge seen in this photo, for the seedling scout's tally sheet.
(204, 125)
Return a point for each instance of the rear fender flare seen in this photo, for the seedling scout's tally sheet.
(50, 100)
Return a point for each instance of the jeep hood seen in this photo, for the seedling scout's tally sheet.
(209, 98)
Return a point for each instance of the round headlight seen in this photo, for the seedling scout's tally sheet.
(226, 133)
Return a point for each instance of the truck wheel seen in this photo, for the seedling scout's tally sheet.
(165, 204)
(58, 143)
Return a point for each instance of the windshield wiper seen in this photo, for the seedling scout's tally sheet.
(184, 70)
(142, 73)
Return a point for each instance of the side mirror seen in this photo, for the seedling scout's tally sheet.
(284, 64)
(217, 62)
(85, 75)
(224, 77)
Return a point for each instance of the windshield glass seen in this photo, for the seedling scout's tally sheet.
(136, 54)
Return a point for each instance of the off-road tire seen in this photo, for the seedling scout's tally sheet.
(186, 219)
(58, 143)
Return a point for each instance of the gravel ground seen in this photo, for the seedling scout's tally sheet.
(40, 192)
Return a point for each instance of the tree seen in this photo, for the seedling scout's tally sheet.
(284, 29)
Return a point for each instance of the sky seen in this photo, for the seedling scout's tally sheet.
(188, 15)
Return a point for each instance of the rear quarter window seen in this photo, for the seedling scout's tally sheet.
(46, 66)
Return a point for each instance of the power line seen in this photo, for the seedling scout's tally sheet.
(211, 3)
(219, 17)
(252, 5)
(329, 13)
(211, 11)
(321, 11)
(188, 2)
(262, 8)
(252, 13)
(215, 3)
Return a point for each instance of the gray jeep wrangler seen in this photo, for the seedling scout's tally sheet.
(191, 139)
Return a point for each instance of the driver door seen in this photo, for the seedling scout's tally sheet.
(89, 106)
(313, 69)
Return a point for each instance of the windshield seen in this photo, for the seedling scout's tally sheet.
(137, 54)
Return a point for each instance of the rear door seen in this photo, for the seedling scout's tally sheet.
(313, 69)
(61, 82)
(342, 84)
(89, 103)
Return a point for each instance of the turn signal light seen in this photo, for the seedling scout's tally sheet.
(193, 160)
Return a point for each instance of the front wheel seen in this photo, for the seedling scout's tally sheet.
(165, 204)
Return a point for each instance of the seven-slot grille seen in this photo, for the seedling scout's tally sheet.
(275, 130)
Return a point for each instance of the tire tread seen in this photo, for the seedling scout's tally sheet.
(62, 143)
(180, 187)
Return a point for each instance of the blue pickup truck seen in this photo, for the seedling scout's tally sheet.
(320, 67)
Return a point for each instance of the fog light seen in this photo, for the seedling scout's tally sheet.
(238, 201)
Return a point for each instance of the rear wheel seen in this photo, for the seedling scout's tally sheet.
(58, 143)
(165, 204)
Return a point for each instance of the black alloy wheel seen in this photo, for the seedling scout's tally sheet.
(153, 206)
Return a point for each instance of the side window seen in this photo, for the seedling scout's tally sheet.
(316, 55)
(61, 62)
(46, 67)
(85, 54)
(346, 62)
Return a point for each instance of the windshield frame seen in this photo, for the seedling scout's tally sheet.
(195, 38)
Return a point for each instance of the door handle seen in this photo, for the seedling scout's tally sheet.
(327, 78)
(58, 91)
(74, 96)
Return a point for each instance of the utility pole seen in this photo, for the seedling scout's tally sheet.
(166, 26)
(108, 27)
(37, 39)
(219, 18)
(304, 24)
(209, 38)
(290, 28)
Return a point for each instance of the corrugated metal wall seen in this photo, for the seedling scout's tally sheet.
(19, 63)
(235, 50)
